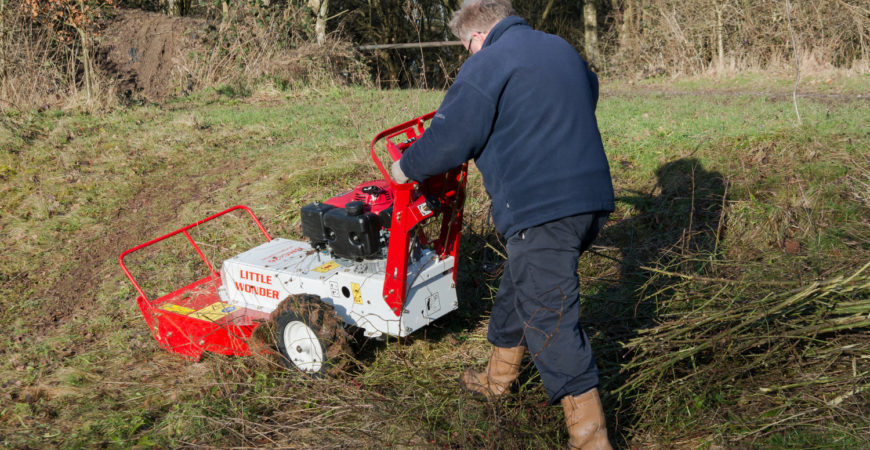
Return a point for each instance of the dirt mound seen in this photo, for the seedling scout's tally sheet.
(144, 51)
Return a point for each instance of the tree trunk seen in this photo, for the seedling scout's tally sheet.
(643, 15)
(320, 8)
(86, 59)
(590, 31)
(627, 29)
(173, 7)
(720, 47)
(2, 40)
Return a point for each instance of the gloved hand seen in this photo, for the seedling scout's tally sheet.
(398, 175)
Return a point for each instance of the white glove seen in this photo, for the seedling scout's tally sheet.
(398, 175)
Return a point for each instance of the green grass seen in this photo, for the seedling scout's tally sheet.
(79, 367)
(846, 84)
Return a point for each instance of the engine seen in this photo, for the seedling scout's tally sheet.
(353, 225)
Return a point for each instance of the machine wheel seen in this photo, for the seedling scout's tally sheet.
(310, 336)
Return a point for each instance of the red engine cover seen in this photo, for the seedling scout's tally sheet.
(375, 195)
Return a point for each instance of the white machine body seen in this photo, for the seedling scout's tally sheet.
(261, 278)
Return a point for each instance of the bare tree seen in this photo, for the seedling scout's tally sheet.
(720, 46)
(797, 68)
(176, 7)
(3, 64)
(320, 9)
(590, 31)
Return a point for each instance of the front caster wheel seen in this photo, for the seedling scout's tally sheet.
(310, 336)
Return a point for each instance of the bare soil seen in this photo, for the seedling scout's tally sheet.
(145, 52)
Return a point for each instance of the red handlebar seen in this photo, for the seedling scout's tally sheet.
(412, 129)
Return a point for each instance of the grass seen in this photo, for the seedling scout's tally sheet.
(715, 184)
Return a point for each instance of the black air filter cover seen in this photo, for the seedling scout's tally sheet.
(352, 236)
(312, 223)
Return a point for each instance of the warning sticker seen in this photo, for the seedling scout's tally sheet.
(213, 312)
(177, 309)
(424, 209)
(357, 295)
(332, 265)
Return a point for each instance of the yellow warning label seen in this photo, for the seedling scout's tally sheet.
(332, 265)
(213, 312)
(177, 309)
(357, 295)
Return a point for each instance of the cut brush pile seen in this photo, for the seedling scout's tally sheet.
(785, 357)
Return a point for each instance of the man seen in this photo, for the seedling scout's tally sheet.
(523, 107)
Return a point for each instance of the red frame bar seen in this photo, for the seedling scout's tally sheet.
(408, 129)
(196, 247)
(448, 189)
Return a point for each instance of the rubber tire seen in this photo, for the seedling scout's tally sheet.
(326, 325)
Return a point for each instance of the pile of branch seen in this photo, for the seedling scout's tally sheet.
(717, 334)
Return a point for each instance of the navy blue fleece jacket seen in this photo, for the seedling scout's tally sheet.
(523, 108)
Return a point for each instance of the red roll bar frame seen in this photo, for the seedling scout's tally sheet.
(190, 239)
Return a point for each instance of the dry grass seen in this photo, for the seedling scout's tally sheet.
(250, 47)
(252, 44)
(38, 71)
(683, 38)
(255, 45)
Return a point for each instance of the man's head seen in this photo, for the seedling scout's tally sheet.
(472, 22)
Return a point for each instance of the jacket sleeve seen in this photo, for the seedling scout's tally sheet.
(457, 133)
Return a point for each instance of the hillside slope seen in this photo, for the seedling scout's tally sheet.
(718, 186)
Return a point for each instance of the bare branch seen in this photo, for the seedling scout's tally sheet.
(797, 69)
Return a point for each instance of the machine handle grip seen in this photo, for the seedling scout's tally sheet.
(412, 129)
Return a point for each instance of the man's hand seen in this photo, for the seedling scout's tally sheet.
(398, 175)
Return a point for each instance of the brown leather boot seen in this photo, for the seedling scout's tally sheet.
(585, 418)
(500, 372)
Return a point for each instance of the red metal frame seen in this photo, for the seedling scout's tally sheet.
(442, 195)
(173, 318)
(196, 247)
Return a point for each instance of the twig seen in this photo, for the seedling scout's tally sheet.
(408, 45)
(721, 219)
(779, 422)
(839, 399)
(718, 280)
(797, 70)
(767, 390)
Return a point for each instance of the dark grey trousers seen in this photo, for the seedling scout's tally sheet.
(537, 303)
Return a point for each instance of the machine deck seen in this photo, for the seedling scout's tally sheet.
(200, 301)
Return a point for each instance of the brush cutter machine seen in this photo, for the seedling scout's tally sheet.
(381, 257)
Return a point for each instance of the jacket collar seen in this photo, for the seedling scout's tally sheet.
(502, 26)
